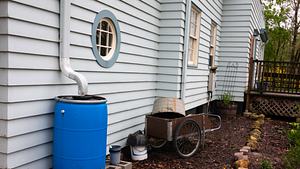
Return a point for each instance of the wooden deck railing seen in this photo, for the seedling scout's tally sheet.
(275, 77)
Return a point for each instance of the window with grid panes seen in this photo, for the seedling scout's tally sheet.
(194, 37)
(106, 38)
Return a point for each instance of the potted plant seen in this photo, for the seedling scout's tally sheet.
(226, 106)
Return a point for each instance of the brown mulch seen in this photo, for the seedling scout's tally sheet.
(221, 145)
(273, 145)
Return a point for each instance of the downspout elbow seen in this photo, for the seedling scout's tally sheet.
(67, 70)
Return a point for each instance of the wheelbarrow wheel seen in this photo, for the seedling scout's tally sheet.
(157, 142)
(187, 138)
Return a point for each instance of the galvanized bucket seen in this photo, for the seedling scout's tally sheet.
(168, 105)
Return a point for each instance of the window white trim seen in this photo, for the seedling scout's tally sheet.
(106, 50)
(194, 37)
(213, 41)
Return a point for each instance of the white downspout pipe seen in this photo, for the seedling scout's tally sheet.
(64, 55)
(186, 49)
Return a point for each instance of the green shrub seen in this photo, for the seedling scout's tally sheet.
(294, 134)
(265, 164)
(226, 98)
(292, 157)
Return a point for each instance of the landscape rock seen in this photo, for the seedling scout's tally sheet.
(238, 155)
(252, 137)
(242, 163)
(247, 148)
(252, 145)
(256, 155)
(256, 131)
(261, 116)
(256, 126)
(247, 114)
(261, 121)
(255, 134)
(254, 116)
(244, 150)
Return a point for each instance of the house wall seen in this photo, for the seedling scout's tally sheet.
(35, 78)
(3, 81)
(197, 77)
(32, 45)
(171, 40)
(240, 18)
(257, 22)
(149, 66)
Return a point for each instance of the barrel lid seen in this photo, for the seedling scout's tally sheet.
(88, 99)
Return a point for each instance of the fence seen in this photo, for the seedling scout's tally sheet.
(274, 88)
(275, 77)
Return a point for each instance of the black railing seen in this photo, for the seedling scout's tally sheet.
(277, 77)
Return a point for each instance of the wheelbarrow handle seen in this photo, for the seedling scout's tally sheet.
(217, 128)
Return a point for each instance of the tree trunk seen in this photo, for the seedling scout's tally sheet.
(278, 49)
(295, 30)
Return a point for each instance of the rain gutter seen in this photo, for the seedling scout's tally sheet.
(185, 50)
(64, 55)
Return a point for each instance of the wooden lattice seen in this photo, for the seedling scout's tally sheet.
(278, 106)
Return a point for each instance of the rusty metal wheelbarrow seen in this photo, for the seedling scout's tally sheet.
(169, 123)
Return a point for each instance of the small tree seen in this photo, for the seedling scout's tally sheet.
(295, 4)
(277, 18)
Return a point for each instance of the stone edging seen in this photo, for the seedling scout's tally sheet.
(242, 159)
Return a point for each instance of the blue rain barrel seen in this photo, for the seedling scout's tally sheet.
(80, 127)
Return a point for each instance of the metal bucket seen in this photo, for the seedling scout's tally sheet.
(169, 105)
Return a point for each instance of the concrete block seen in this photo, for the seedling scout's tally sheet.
(112, 167)
(121, 165)
(125, 165)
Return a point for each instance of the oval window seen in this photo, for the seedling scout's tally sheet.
(106, 38)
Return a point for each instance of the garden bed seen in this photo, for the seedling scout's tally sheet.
(272, 146)
(221, 145)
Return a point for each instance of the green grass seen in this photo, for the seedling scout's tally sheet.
(265, 164)
(292, 157)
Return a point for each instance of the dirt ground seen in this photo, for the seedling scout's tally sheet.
(221, 145)
(273, 145)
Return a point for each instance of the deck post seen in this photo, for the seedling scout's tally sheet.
(250, 79)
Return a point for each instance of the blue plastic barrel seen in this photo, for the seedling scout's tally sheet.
(80, 127)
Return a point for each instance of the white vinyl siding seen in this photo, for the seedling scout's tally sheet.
(171, 36)
(240, 18)
(257, 22)
(197, 77)
(150, 65)
(35, 78)
(3, 81)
